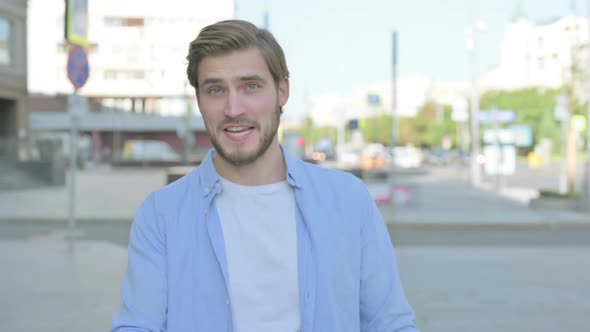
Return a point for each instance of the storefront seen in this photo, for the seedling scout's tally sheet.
(14, 124)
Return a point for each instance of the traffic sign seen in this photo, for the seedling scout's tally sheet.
(561, 111)
(496, 116)
(78, 68)
(460, 107)
(374, 99)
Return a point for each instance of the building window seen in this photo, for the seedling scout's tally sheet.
(110, 75)
(113, 75)
(540, 63)
(138, 75)
(124, 21)
(6, 42)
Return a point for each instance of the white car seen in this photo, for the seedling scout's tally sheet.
(149, 150)
(406, 157)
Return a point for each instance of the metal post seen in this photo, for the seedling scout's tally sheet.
(475, 170)
(587, 182)
(266, 16)
(394, 129)
(73, 166)
(499, 163)
(563, 163)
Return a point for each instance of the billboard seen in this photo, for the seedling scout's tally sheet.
(523, 135)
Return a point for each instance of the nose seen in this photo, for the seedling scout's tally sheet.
(235, 106)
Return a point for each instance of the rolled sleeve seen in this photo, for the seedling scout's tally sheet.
(144, 291)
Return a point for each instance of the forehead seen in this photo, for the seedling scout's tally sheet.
(233, 65)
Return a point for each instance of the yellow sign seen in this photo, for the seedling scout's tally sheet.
(579, 123)
(77, 22)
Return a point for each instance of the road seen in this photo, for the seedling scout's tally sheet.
(456, 280)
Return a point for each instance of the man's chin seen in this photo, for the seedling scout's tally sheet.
(239, 158)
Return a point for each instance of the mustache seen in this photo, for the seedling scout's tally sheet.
(240, 122)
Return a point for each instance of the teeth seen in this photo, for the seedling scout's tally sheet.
(236, 129)
(240, 134)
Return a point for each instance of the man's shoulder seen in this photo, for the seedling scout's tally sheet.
(178, 190)
(331, 178)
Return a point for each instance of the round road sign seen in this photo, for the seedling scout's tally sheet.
(78, 68)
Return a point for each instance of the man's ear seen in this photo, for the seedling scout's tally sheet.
(283, 91)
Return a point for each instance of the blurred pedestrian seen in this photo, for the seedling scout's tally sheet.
(254, 239)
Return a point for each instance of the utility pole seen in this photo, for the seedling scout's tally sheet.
(587, 182)
(266, 16)
(475, 169)
(394, 130)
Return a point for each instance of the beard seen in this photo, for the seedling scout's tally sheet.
(241, 158)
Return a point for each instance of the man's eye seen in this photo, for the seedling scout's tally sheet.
(252, 86)
(215, 91)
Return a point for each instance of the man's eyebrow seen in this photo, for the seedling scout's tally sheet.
(252, 78)
(211, 81)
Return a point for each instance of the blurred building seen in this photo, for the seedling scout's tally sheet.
(412, 93)
(539, 54)
(137, 51)
(137, 87)
(14, 109)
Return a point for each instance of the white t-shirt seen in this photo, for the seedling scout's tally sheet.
(259, 229)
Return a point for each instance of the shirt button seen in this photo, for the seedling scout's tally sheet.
(227, 301)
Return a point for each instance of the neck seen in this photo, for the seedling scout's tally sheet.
(269, 168)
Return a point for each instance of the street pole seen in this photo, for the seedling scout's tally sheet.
(587, 173)
(499, 163)
(563, 115)
(73, 166)
(475, 170)
(266, 16)
(394, 128)
(563, 165)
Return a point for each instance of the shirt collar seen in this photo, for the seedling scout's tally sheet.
(209, 176)
(210, 179)
(294, 169)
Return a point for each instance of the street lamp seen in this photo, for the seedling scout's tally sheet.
(394, 129)
(587, 182)
(473, 46)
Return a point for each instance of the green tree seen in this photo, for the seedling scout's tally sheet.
(377, 129)
(429, 126)
(312, 134)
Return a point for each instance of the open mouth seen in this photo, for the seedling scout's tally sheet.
(238, 133)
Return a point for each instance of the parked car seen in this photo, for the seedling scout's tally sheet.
(375, 161)
(406, 157)
(149, 150)
(348, 158)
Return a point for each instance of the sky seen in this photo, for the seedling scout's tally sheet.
(341, 46)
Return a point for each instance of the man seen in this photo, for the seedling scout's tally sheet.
(253, 239)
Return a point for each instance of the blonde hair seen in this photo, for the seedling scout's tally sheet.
(233, 35)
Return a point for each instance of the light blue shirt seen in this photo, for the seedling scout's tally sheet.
(177, 278)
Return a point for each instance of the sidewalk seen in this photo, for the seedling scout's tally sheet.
(113, 195)
(456, 203)
(103, 195)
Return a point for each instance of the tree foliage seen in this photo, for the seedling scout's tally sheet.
(430, 125)
(533, 106)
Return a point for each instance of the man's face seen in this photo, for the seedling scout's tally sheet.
(240, 103)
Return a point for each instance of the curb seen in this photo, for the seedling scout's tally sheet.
(487, 226)
(400, 225)
(57, 221)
